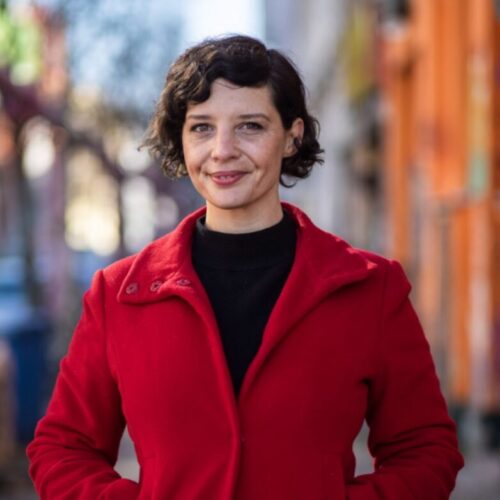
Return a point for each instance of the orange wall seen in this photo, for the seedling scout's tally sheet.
(440, 92)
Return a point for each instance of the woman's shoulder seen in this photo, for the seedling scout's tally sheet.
(331, 254)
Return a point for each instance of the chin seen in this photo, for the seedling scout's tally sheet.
(227, 203)
(228, 206)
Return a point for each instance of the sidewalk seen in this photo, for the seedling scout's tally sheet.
(480, 478)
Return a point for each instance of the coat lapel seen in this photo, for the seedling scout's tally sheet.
(323, 264)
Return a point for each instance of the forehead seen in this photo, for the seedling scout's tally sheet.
(226, 96)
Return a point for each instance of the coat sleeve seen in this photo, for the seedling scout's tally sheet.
(411, 436)
(76, 443)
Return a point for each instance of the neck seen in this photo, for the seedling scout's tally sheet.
(236, 221)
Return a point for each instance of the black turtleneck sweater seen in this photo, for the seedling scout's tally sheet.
(243, 275)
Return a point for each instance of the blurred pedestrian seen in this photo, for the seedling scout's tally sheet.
(245, 349)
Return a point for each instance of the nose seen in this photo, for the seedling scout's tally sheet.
(225, 145)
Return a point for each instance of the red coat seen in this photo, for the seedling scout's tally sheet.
(342, 344)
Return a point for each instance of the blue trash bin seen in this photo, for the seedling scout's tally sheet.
(27, 341)
(25, 329)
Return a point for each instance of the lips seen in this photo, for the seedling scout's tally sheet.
(226, 178)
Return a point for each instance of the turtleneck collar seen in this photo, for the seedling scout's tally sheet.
(246, 250)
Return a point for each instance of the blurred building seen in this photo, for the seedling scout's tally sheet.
(441, 90)
(33, 86)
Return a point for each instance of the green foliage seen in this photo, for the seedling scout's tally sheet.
(20, 46)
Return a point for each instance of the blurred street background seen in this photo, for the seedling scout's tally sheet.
(408, 96)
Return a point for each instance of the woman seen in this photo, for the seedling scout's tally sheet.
(245, 349)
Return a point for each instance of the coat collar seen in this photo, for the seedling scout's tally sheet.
(323, 264)
(164, 267)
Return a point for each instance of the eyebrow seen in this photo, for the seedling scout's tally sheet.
(252, 116)
(245, 116)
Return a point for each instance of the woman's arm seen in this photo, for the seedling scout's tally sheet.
(411, 435)
(76, 443)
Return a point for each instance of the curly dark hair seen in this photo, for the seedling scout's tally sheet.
(243, 61)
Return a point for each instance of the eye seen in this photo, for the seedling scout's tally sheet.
(200, 128)
(251, 126)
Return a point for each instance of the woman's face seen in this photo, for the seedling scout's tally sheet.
(233, 145)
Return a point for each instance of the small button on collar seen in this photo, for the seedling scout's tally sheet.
(132, 288)
(183, 282)
(155, 286)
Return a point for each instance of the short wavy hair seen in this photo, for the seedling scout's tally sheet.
(243, 61)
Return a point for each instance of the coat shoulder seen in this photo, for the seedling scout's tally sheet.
(386, 269)
(390, 272)
(383, 263)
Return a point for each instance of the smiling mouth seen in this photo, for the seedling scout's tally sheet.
(226, 178)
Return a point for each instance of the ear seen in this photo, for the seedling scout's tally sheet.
(293, 134)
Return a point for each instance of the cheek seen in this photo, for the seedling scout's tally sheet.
(273, 157)
(192, 169)
(190, 155)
